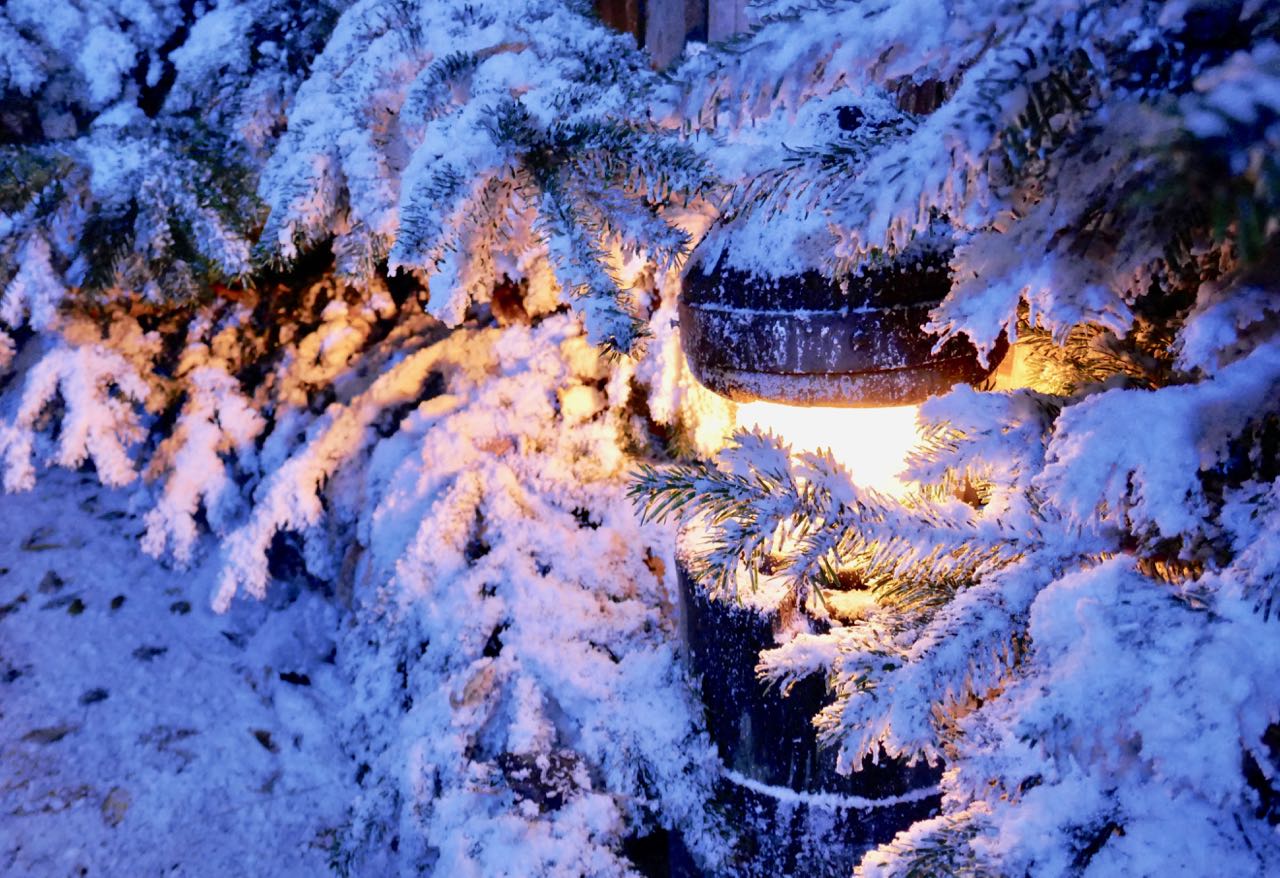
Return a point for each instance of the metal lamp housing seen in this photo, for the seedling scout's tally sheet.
(810, 340)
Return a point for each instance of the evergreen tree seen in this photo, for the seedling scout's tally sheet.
(458, 491)
(324, 283)
(1083, 563)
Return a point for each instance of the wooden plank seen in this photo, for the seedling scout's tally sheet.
(664, 31)
(624, 15)
(725, 18)
(663, 27)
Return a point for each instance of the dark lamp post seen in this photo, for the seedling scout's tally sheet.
(825, 363)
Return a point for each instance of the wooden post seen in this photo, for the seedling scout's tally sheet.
(665, 29)
(725, 18)
(624, 15)
(664, 26)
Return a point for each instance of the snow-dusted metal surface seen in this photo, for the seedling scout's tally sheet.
(807, 339)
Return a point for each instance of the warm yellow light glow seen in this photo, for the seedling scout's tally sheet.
(872, 443)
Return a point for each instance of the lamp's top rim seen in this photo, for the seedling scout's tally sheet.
(811, 339)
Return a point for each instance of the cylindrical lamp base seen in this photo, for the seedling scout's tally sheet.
(795, 814)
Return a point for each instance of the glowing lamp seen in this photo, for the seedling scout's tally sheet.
(872, 444)
(839, 364)
(842, 365)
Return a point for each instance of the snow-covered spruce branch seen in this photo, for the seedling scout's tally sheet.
(973, 125)
(100, 395)
(760, 500)
(896, 687)
(290, 497)
(216, 419)
(548, 155)
(132, 140)
(530, 681)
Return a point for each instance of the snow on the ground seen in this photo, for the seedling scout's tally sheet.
(140, 733)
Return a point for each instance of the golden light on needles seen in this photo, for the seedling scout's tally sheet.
(873, 443)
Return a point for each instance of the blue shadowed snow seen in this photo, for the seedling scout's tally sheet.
(140, 733)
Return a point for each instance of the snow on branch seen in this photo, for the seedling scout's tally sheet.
(216, 420)
(1102, 473)
(537, 719)
(35, 291)
(760, 501)
(99, 393)
(545, 154)
(290, 497)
